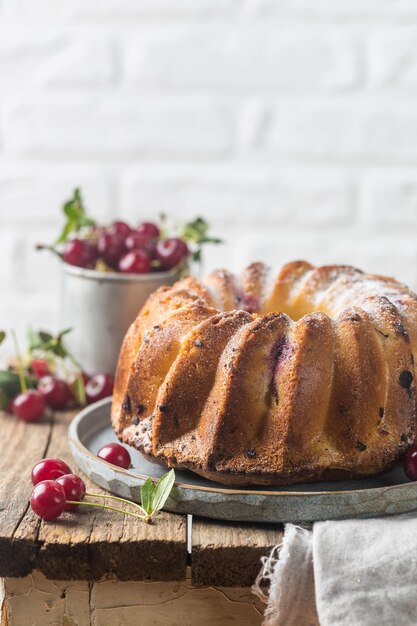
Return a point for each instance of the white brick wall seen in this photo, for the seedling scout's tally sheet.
(291, 125)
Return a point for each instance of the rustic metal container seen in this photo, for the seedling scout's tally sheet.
(99, 307)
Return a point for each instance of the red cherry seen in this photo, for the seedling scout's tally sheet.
(148, 228)
(48, 499)
(74, 488)
(80, 252)
(111, 246)
(55, 391)
(29, 406)
(116, 454)
(120, 228)
(410, 463)
(98, 387)
(135, 262)
(39, 367)
(171, 251)
(49, 469)
(138, 241)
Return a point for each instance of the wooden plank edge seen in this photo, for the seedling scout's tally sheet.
(219, 558)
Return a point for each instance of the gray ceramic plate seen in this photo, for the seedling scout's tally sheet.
(386, 494)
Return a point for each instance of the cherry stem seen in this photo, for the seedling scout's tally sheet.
(41, 246)
(101, 495)
(80, 383)
(144, 518)
(22, 380)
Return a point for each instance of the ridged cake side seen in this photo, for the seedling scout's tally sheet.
(272, 379)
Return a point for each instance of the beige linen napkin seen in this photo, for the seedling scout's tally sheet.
(344, 573)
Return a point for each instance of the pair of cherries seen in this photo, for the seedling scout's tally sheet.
(30, 405)
(57, 489)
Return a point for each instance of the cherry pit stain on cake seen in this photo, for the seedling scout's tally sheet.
(281, 352)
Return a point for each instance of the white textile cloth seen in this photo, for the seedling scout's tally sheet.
(343, 573)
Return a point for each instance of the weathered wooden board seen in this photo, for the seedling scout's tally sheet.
(91, 544)
(86, 544)
(228, 554)
(22, 445)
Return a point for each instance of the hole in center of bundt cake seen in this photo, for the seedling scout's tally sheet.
(250, 304)
(281, 297)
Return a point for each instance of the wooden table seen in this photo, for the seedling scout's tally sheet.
(99, 567)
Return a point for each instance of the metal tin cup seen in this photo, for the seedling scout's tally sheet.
(99, 307)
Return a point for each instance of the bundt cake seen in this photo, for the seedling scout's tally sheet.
(269, 378)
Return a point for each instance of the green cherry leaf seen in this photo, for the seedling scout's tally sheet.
(69, 227)
(76, 215)
(146, 492)
(44, 336)
(196, 234)
(4, 400)
(2, 336)
(196, 255)
(162, 490)
(10, 383)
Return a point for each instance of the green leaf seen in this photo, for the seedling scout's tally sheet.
(85, 222)
(69, 227)
(44, 336)
(70, 211)
(55, 347)
(210, 240)
(196, 232)
(162, 490)
(77, 218)
(4, 400)
(64, 332)
(10, 383)
(146, 492)
(196, 256)
(2, 336)
(74, 206)
(42, 340)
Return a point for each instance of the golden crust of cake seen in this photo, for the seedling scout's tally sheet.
(272, 378)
